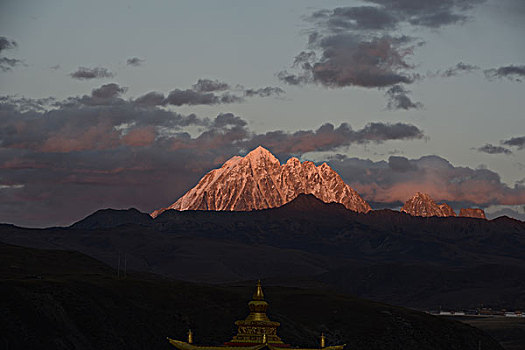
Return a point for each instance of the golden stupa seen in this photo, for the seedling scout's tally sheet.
(254, 333)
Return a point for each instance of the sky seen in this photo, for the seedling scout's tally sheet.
(119, 104)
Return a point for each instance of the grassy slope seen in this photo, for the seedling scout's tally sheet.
(64, 300)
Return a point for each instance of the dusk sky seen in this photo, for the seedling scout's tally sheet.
(129, 103)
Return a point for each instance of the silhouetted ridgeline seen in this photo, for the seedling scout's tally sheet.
(385, 255)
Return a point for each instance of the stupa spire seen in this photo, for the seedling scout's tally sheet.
(258, 295)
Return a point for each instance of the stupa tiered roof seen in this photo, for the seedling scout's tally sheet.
(255, 332)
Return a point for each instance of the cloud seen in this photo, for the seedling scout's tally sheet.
(349, 60)
(329, 138)
(379, 132)
(458, 69)
(398, 99)
(512, 72)
(90, 122)
(401, 164)
(396, 180)
(207, 85)
(134, 61)
(179, 97)
(294, 79)
(515, 142)
(152, 98)
(228, 119)
(364, 46)
(83, 73)
(204, 92)
(264, 92)
(430, 13)
(6, 64)
(100, 150)
(111, 90)
(6, 44)
(491, 149)
(357, 18)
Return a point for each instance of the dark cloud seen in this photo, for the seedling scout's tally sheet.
(83, 73)
(398, 99)
(401, 164)
(458, 69)
(379, 132)
(515, 73)
(204, 93)
(293, 79)
(207, 85)
(398, 179)
(134, 61)
(515, 142)
(6, 44)
(329, 138)
(179, 97)
(6, 64)
(111, 90)
(429, 13)
(357, 18)
(90, 122)
(363, 45)
(491, 149)
(100, 150)
(339, 58)
(228, 119)
(152, 98)
(348, 60)
(230, 98)
(263, 92)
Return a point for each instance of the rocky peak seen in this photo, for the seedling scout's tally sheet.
(472, 213)
(421, 204)
(259, 181)
(446, 209)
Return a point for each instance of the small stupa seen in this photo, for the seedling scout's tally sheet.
(255, 332)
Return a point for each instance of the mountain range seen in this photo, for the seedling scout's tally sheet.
(259, 181)
(294, 225)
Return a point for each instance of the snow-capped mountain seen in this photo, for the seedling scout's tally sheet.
(421, 204)
(259, 181)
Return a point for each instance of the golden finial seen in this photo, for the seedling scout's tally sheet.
(258, 293)
(323, 340)
(190, 337)
(264, 340)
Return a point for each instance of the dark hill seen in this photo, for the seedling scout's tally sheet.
(390, 256)
(80, 304)
(106, 218)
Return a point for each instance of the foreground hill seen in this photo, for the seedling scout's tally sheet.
(53, 299)
(421, 262)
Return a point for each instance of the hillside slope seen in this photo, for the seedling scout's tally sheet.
(47, 304)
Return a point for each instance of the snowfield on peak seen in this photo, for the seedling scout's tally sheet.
(259, 181)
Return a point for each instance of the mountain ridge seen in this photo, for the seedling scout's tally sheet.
(260, 181)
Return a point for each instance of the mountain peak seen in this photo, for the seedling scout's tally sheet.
(259, 181)
(260, 152)
(472, 213)
(421, 204)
